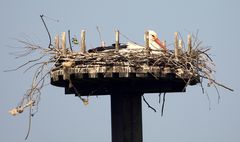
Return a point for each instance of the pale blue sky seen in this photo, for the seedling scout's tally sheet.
(64, 118)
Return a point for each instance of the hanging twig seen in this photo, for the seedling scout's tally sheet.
(148, 104)
(201, 83)
(29, 122)
(85, 101)
(159, 98)
(219, 97)
(209, 101)
(163, 104)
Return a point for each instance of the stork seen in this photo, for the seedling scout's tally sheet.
(154, 41)
(154, 44)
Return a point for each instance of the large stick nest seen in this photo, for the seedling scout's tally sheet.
(186, 65)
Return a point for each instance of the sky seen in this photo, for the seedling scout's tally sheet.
(188, 116)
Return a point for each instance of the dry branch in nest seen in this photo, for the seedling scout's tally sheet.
(42, 65)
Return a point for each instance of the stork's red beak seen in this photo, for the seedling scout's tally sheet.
(160, 43)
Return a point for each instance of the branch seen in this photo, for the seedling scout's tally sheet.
(69, 40)
(29, 123)
(49, 36)
(85, 101)
(23, 65)
(163, 104)
(149, 104)
(214, 81)
(222, 85)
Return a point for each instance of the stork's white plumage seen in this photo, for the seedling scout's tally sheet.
(154, 42)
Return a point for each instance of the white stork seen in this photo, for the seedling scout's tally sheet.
(154, 42)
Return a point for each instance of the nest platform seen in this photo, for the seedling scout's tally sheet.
(111, 72)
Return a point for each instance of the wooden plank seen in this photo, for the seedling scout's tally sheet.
(83, 42)
(180, 47)
(64, 43)
(176, 51)
(117, 40)
(57, 42)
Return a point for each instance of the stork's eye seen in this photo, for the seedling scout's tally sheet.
(153, 36)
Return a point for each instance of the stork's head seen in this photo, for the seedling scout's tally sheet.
(154, 42)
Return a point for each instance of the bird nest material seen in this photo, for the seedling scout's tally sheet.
(189, 66)
(193, 67)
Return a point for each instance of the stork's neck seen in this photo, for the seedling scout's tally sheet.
(153, 45)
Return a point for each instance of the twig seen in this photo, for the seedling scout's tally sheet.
(163, 104)
(127, 38)
(159, 98)
(85, 101)
(148, 104)
(209, 101)
(222, 85)
(195, 38)
(49, 36)
(29, 122)
(69, 39)
(201, 83)
(212, 80)
(23, 65)
(100, 36)
(219, 97)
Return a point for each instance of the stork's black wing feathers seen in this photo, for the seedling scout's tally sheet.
(99, 49)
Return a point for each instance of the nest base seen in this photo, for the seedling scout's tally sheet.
(101, 85)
